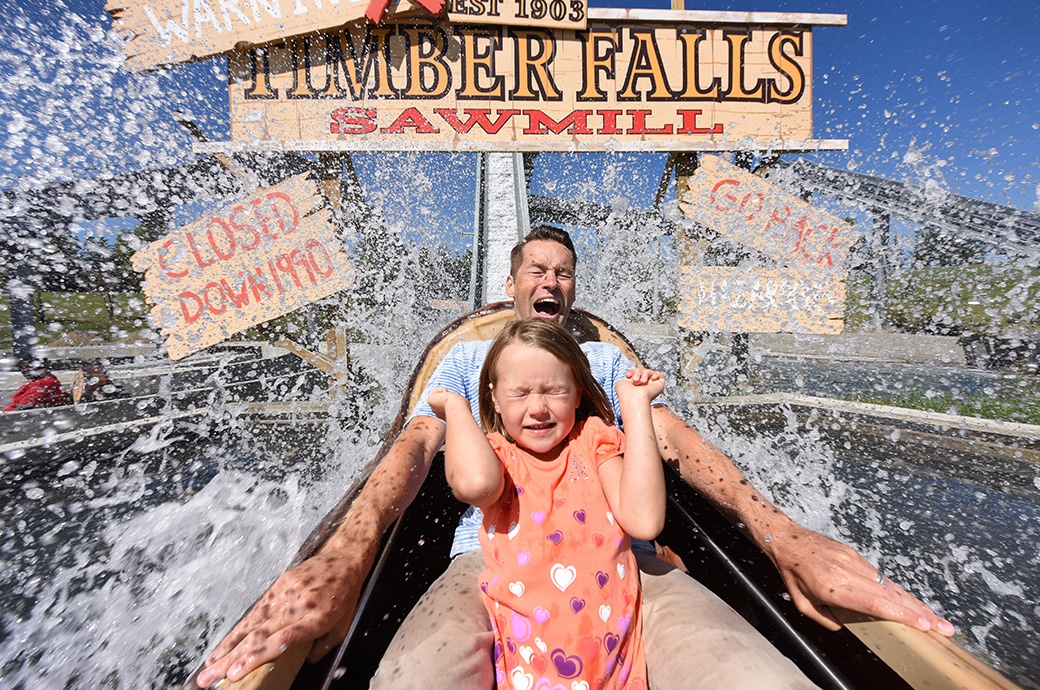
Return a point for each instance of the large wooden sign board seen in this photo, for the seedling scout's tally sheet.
(254, 260)
(749, 210)
(806, 294)
(666, 84)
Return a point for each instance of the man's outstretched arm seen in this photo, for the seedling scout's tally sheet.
(315, 601)
(818, 571)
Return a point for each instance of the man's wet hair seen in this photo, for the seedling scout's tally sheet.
(544, 233)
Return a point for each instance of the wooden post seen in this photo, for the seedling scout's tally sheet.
(478, 265)
(20, 293)
(879, 269)
(690, 252)
(330, 180)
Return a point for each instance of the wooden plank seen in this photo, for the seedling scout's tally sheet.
(274, 675)
(924, 660)
(760, 300)
(459, 145)
(617, 85)
(253, 260)
(749, 210)
(163, 32)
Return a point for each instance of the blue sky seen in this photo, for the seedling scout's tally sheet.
(941, 89)
(923, 90)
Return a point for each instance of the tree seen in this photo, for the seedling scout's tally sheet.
(938, 247)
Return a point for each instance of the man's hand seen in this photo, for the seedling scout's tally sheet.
(313, 601)
(820, 572)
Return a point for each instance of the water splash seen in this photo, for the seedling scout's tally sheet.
(129, 568)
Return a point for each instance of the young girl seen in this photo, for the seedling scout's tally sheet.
(561, 495)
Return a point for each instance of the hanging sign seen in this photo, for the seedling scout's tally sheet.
(254, 260)
(163, 32)
(617, 85)
(806, 294)
(749, 210)
(760, 300)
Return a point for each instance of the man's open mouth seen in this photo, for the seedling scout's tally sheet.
(547, 307)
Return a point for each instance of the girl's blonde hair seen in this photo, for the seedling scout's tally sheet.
(549, 336)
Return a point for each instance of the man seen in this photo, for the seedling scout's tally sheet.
(315, 601)
(42, 388)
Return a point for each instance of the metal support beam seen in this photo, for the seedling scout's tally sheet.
(502, 219)
(1006, 230)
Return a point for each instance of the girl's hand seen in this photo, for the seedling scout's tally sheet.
(440, 398)
(642, 381)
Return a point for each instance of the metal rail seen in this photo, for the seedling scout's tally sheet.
(1012, 231)
(806, 649)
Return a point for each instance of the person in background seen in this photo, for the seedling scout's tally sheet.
(93, 384)
(42, 388)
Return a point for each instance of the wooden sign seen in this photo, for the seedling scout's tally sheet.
(761, 300)
(252, 261)
(749, 210)
(163, 32)
(617, 85)
(806, 294)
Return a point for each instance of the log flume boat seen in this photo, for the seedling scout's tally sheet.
(866, 654)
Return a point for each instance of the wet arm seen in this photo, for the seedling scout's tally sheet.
(315, 601)
(818, 571)
(635, 484)
(473, 470)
